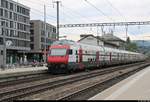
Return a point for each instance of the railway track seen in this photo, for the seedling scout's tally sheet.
(16, 78)
(79, 90)
(27, 89)
(92, 89)
(21, 80)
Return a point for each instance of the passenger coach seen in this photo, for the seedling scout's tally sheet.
(66, 56)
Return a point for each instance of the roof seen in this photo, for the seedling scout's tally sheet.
(19, 4)
(110, 37)
(33, 21)
(105, 42)
(63, 42)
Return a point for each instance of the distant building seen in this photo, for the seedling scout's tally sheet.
(15, 24)
(37, 37)
(92, 40)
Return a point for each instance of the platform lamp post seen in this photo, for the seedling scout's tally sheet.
(4, 43)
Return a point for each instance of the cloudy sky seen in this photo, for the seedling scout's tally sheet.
(80, 11)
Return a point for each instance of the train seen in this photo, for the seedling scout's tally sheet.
(67, 56)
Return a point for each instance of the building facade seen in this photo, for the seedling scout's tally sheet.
(37, 31)
(15, 24)
(93, 40)
(90, 39)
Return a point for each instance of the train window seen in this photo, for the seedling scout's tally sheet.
(49, 52)
(70, 52)
(58, 52)
(76, 52)
(76, 58)
(91, 60)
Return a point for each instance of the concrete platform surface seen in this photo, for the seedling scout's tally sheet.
(19, 70)
(136, 87)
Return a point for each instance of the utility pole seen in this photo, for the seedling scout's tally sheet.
(57, 3)
(45, 33)
(102, 29)
(97, 36)
(126, 27)
(4, 44)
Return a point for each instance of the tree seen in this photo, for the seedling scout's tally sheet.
(130, 46)
(128, 40)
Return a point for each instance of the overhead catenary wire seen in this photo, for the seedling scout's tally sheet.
(116, 9)
(72, 13)
(77, 13)
(39, 12)
(41, 17)
(32, 8)
(99, 10)
(69, 17)
(124, 18)
(74, 16)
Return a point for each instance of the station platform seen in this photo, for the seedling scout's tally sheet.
(22, 71)
(136, 87)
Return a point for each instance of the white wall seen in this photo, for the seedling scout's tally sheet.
(91, 40)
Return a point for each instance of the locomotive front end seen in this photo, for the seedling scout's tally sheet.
(58, 58)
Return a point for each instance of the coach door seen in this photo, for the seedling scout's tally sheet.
(97, 57)
(80, 55)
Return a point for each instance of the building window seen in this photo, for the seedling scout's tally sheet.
(11, 6)
(32, 39)
(10, 15)
(31, 25)
(11, 24)
(18, 9)
(32, 32)
(42, 47)
(32, 46)
(42, 40)
(12, 33)
(54, 30)
(4, 3)
(1, 41)
(6, 13)
(43, 33)
(1, 52)
(1, 12)
(15, 17)
(0, 31)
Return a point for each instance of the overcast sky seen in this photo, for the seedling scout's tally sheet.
(79, 11)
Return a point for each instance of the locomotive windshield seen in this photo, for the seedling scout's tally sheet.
(58, 52)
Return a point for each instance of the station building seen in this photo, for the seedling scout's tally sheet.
(15, 24)
(93, 40)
